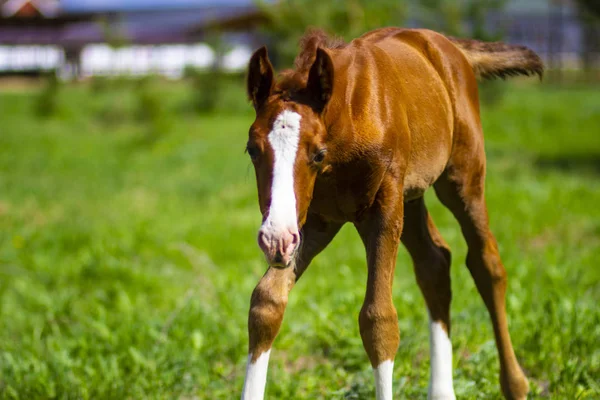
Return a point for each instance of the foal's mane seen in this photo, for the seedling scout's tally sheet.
(293, 80)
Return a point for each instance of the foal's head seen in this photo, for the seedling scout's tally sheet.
(287, 145)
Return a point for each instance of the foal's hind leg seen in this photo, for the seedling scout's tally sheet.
(431, 259)
(461, 189)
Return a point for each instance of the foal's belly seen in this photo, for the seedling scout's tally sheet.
(422, 173)
(415, 187)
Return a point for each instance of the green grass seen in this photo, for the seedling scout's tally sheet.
(126, 265)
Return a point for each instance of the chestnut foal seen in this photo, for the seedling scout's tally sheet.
(356, 133)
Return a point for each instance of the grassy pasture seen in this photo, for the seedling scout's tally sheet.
(126, 264)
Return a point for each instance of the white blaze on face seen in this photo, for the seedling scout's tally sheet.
(283, 138)
(440, 349)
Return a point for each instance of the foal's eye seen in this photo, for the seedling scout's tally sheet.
(252, 152)
(319, 156)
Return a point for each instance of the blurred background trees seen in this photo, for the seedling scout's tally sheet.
(460, 18)
(289, 19)
(589, 14)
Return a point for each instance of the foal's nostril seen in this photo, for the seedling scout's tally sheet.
(295, 238)
(262, 240)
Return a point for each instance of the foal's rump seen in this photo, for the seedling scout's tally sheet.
(438, 91)
(489, 60)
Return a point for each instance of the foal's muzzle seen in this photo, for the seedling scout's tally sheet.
(279, 246)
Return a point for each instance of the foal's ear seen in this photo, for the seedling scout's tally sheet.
(320, 79)
(260, 77)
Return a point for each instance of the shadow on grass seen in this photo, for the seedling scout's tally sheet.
(572, 163)
(143, 141)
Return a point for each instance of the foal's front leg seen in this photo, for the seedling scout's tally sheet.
(269, 300)
(378, 321)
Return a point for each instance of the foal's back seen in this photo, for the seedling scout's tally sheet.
(398, 96)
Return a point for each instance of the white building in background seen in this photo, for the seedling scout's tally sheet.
(168, 60)
(101, 59)
(30, 58)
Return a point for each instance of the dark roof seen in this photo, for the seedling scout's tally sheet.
(96, 6)
(75, 28)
